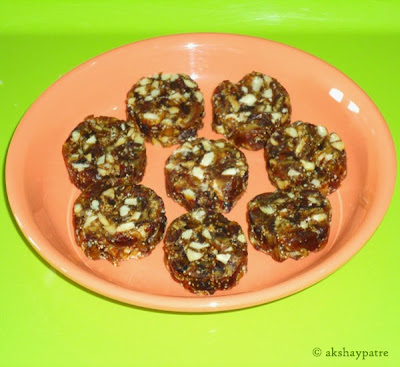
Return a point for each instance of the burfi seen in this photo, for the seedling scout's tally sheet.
(248, 112)
(306, 155)
(206, 173)
(205, 252)
(169, 108)
(289, 223)
(102, 148)
(118, 222)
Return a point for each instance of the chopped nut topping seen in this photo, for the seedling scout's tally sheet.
(189, 83)
(199, 215)
(198, 172)
(206, 233)
(292, 132)
(103, 220)
(321, 130)
(110, 193)
(125, 227)
(124, 210)
(91, 140)
(141, 90)
(89, 220)
(248, 99)
(304, 224)
(208, 158)
(192, 255)
(144, 81)
(267, 93)
(334, 137)
(138, 139)
(131, 201)
(273, 141)
(313, 200)
(282, 184)
(206, 145)
(186, 235)
(224, 258)
(198, 96)
(120, 141)
(95, 205)
(136, 215)
(293, 173)
(173, 110)
(80, 166)
(257, 83)
(77, 208)
(230, 172)
(75, 136)
(151, 116)
(319, 217)
(198, 245)
(189, 194)
(276, 116)
(308, 166)
(339, 145)
(316, 183)
(267, 209)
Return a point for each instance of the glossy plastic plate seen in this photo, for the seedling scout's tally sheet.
(41, 195)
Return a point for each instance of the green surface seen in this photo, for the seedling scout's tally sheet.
(46, 320)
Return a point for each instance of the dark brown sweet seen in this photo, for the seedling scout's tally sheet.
(168, 108)
(102, 148)
(306, 155)
(205, 252)
(248, 112)
(118, 222)
(289, 223)
(206, 173)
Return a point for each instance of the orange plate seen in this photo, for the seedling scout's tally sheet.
(41, 195)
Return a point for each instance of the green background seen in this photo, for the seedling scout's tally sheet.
(46, 320)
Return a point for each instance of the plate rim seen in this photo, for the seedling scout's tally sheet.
(202, 303)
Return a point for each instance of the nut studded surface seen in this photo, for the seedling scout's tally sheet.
(206, 173)
(101, 148)
(118, 222)
(167, 107)
(248, 112)
(306, 155)
(289, 224)
(205, 252)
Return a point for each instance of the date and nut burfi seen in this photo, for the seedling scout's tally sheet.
(169, 108)
(248, 112)
(206, 173)
(289, 223)
(205, 252)
(118, 222)
(306, 155)
(102, 148)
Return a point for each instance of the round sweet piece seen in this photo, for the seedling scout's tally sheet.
(306, 155)
(248, 112)
(205, 252)
(168, 108)
(118, 222)
(289, 223)
(206, 173)
(102, 148)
